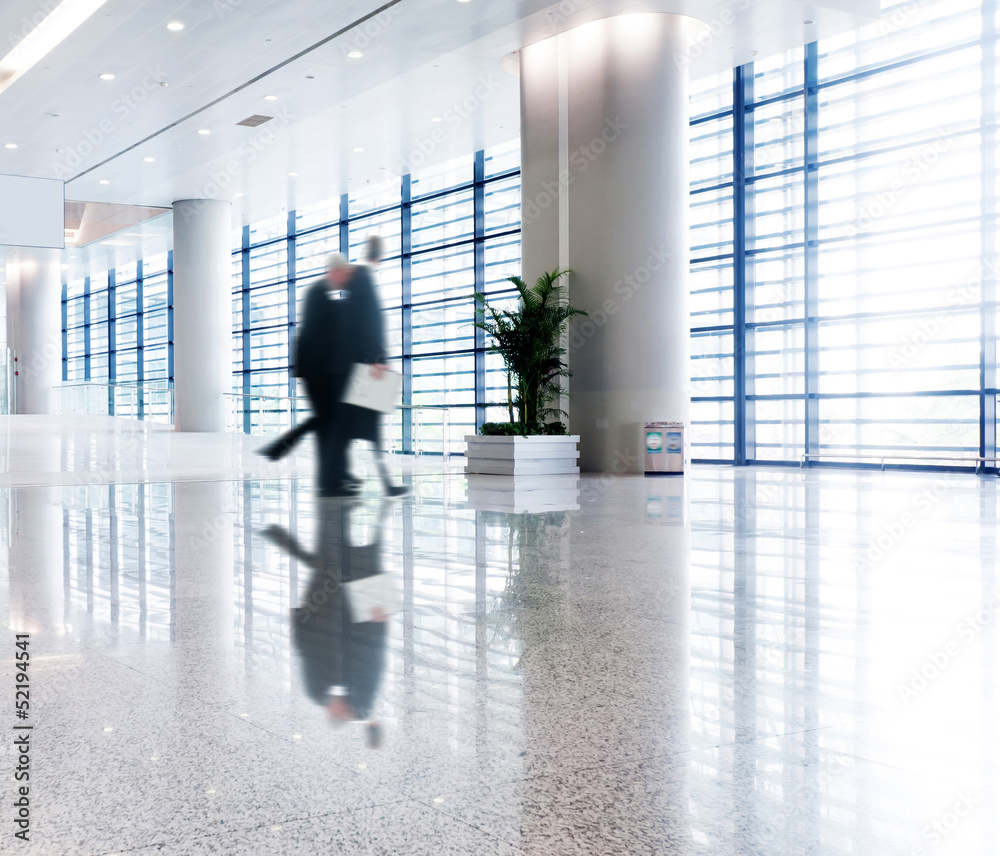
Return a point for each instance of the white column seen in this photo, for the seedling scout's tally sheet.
(34, 330)
(604, 176)
(202, 313)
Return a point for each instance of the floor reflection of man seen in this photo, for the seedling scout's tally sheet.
(342, 660)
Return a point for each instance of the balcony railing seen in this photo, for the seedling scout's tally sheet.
(419, 430)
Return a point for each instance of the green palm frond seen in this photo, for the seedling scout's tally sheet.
(527, 340)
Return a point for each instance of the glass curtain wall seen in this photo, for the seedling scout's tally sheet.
(844, 246)
(843, 259)
(449, 232)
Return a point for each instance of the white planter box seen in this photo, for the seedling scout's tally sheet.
(522, 456)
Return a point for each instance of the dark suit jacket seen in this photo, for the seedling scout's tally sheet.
(361, 320)
(319, 346)
(364, 342)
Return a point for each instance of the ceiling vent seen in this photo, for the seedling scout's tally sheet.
(255, 120)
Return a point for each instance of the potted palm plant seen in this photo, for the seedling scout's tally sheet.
(528, 338)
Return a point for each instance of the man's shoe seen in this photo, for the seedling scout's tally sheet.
(394, 491)
(343, 489)
(275, 451)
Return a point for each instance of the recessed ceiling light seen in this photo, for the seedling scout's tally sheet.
(149, 160)
(238, 195)
(354, 54)
(270, 97)
(436, 119)
(107, 76)
(204, 132)
(10, 145)
(175, 26)
(292, 174)
(359, 149)
(104, 181)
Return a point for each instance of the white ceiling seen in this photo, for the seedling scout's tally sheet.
(421, 58)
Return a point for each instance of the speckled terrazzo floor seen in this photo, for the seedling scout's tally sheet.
(754, 661)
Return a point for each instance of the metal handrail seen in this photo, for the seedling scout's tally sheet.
(978, 460)
(443, 409)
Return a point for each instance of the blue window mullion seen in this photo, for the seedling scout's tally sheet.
(479, 264)
(811, 251)
(245, 315)
(140, 370)
(65, 340)
(406, 284)
(291, 277)
(86, 328)
(988, 249)
(743, 240)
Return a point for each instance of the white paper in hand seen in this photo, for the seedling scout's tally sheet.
(375, 598)
(365, 390)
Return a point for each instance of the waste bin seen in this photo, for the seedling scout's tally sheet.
(664, 444)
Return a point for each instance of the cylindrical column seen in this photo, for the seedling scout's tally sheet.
(202, 313)
(604, 175)
(34, 330)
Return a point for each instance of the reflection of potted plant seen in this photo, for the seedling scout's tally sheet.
(528, 339)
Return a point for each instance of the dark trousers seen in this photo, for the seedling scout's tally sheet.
(331, 430)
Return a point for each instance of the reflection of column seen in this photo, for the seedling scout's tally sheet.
(202, 313)
(34, 331)
(604, 176)
(990, 590)
(204, 591)
(745, 658)
(597, 669)
(813, 813)
(35, 561)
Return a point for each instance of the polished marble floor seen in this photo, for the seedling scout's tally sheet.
(743, 661)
